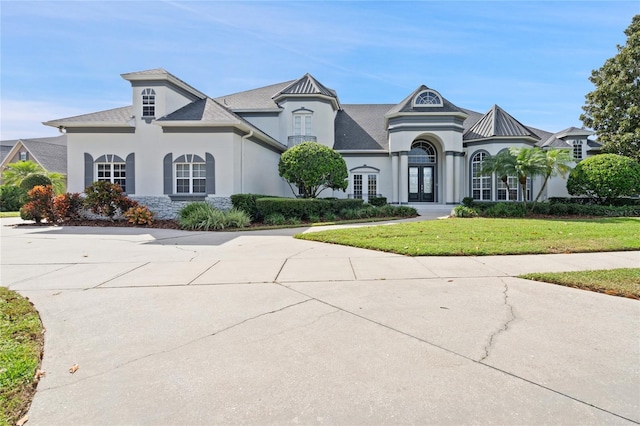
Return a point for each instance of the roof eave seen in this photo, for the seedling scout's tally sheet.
(164, 77)
(400, 114)
(334, 100)
(60, 124)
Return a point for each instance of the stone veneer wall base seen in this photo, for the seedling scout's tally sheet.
(165, 209)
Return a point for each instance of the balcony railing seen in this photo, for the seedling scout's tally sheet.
(295, 140)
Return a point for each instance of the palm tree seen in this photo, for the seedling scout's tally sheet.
(503, 165)
(556, 163)
(529, 162)
(15, 173)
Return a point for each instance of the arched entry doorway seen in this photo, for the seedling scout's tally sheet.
(422, 172)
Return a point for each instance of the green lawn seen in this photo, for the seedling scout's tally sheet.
(617, 282)
(483, 236)
(9, 214)
(21, 343)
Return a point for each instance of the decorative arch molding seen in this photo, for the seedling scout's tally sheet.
(423, 152)
(364, 169)
(109, 158)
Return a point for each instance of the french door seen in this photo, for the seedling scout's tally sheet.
(421, 184)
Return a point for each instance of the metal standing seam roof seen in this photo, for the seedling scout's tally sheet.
(498, 123)
(307, 85)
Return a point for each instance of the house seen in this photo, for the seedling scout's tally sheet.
(174, 144)
(50, 153)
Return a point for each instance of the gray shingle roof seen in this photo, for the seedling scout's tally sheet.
(361, 127)
(51, 153)
(5, 147)
(498, 123)
(112, 116)
(204, 110)
(255, 99)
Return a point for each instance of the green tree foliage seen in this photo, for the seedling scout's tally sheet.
(34, 180)
(556, 162)
(503, 164)
(313, 167)
(605, 177)
(15, 173)
(612, 110)
(11, 198)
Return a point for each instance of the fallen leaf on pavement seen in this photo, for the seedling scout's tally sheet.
(74, 368)
(22, 420)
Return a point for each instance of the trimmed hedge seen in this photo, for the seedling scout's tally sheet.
(558, 207)
(304, 208)
(12, 198)
(247, 203)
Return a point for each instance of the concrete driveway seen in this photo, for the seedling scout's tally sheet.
(173, 327)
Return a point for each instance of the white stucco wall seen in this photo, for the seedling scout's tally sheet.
(322, 122)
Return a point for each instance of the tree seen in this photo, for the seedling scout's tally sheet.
(605, 177)
(503, 165)
(15, 173)
(313, 167)
(612, 110)
(555, 163)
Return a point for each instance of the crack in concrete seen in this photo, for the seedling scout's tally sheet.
(215, 333)
(504, 327)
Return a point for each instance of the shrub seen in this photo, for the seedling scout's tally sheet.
(314, 218)
(505, 210)
(275, 219)
(468, 202)
(303, 208)
(236, 218)
(464, 211)
(405, 211)
(34, 180)
(329, 216)
(139, 215)
(605, 177)
(293, 221)
(201, 216)
(378, 201)
(11, 198)
(67, 206)
(247, 203)
(40, 205)
(107, 199)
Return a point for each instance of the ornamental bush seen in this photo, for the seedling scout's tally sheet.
(107, 199)
(139, 215)
(33, 180)
(312, 168)
(67, 206)
(11, 198)
(40, 205)
(605, 177)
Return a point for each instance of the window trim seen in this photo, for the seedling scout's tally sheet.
(482, 179)
(190, 160)
(424, 96)
(148, 103)
(111, 161)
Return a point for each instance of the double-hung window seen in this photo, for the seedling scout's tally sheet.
(190, 175)
(111, 168)
(148, 103)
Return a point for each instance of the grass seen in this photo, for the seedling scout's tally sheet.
(21, 342)
(9, 214)
(483, 236)
(617, 282)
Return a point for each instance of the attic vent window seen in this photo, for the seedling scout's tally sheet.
(148, 103)
(428, 98)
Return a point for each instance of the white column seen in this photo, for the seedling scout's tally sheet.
(394, 177)
(450, 182)
(404, 177)
(459, 175)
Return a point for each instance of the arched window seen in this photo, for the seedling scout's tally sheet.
(480, 185)
(428, 98)
(422, 152)
(111, 168)
(190, 174)
(148, 103)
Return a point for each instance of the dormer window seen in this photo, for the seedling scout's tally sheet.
(302, 122)
(148, 103)
(428, 98)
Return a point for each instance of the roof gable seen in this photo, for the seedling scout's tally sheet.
(307, 85)
(406, 105)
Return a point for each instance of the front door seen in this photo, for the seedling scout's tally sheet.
(421, 184)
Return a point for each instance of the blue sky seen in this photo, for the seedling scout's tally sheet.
(60, 59)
